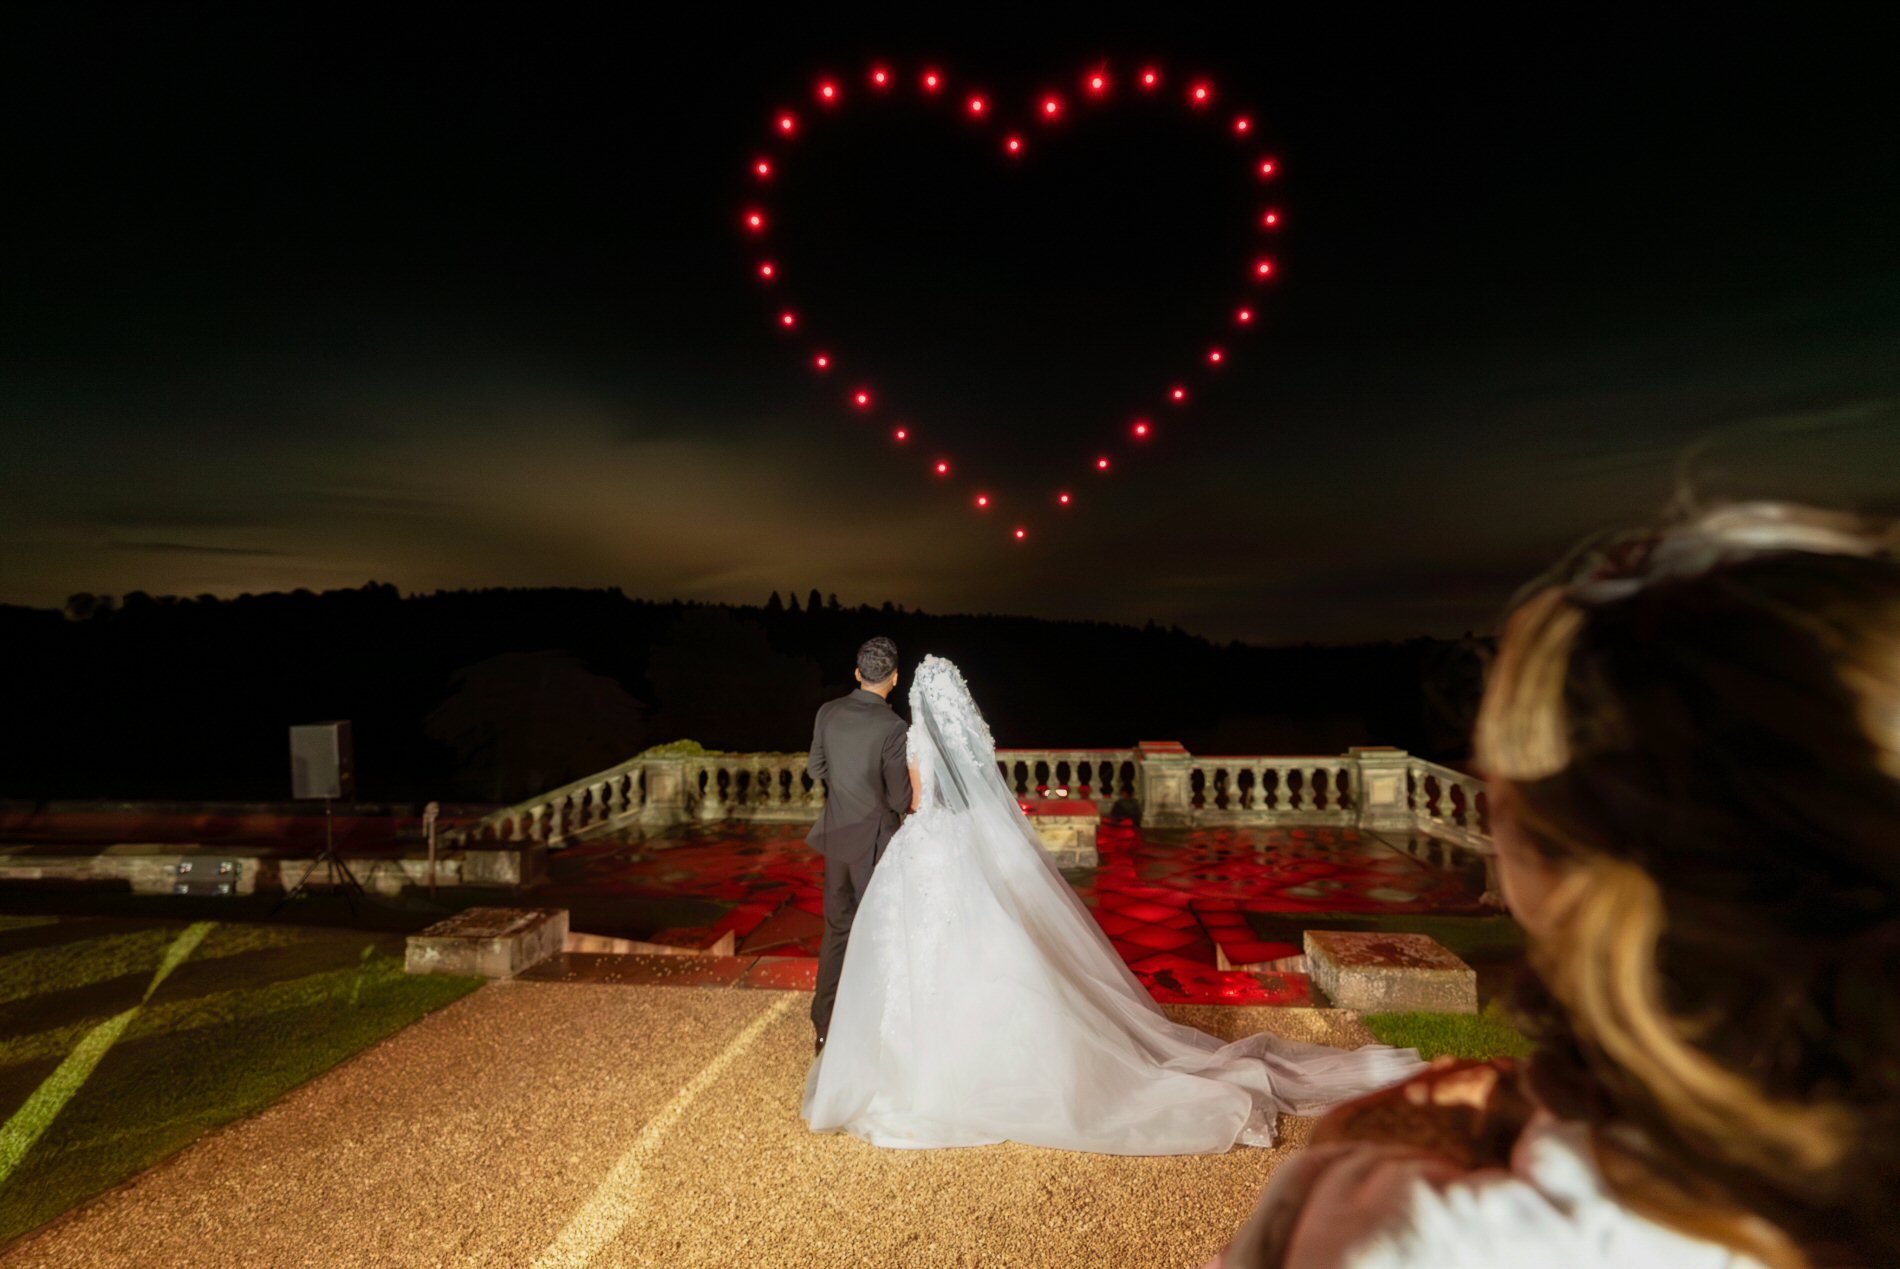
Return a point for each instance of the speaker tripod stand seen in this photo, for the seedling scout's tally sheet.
(341, 878)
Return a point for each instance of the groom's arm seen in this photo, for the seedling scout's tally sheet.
(896, 766)
(816, 764)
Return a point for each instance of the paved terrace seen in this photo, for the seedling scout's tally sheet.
(575, 1123)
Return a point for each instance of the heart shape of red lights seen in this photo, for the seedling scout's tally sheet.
(1098, 85)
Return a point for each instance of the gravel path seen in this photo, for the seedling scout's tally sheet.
(584, 1124)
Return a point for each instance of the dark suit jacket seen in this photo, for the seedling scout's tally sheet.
(857, 748)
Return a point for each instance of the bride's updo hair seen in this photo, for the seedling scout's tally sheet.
(1699, 729)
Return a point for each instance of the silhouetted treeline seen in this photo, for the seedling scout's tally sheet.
(492, 695)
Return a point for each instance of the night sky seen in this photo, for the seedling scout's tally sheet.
(448, 297)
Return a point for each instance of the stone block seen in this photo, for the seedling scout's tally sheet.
(489, 942)
(1390, 973)
(1067, 829)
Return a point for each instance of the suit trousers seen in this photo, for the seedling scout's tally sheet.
(845, 881)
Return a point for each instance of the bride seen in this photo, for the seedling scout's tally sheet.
(980, 1002)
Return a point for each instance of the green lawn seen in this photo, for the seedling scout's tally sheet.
(121, 1041)
(1481, 1035)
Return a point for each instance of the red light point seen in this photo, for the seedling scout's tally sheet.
(1141, 427)
(1097, 83)
(1215, 356)
(1201, 94)
(1242, 124)
(943, 469)
(931, 81)
(1269, 220)
(978, 105)
(766, 271)
(1021, 534)
(1051, 107)
(786, 123)
(1178, 394)
(1266, 167)
(1101, 464)
(1244, 316)
(902, 434)
(828, 91)
(788, 318)
(1064, 499)
(755, 221)
(1014, 145)
(880, 76)
(982, 500)
(1263, 268)
(763, 168)
(861, 399)
(822, 361)
(1150, 78)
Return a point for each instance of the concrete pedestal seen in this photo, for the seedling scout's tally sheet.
(1067, 828)
(489, 942)
(1390, 973)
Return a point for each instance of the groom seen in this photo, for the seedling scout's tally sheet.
(857, 749)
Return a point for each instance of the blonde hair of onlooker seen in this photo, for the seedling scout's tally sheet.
(1699, 728)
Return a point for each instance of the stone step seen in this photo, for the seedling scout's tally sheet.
(1377, 972)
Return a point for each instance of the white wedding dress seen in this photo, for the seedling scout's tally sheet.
(980, 1002)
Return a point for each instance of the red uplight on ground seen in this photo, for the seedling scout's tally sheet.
(1014, 145)
(1097, 83)
(1242, 124)
(1269, 219)
(762, 168)
(1149, 78)
(786, 123)
(1262, 268)
(827, 91)
(1051, 107)
(755, 221)
(766, 270)
(1266, 167)
(1201, 94)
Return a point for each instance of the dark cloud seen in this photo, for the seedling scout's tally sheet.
(186, 548)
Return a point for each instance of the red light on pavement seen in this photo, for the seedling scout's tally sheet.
(1263, 268)
(1014, 145)
(1201, 94)
(1149, 78)
(978, 105)
(755, 221)
(1051, 107)
(763, 168)
(827, 91)
(1097, 83)
(1242, 124)
(861, 399)
(880, 76)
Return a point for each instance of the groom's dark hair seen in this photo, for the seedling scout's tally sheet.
(877, 659)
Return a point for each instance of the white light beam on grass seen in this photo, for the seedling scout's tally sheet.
(39, 1110)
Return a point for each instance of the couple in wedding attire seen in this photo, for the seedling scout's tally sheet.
(980, 1001)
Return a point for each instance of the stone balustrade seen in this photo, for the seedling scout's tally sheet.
(1371, 787)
